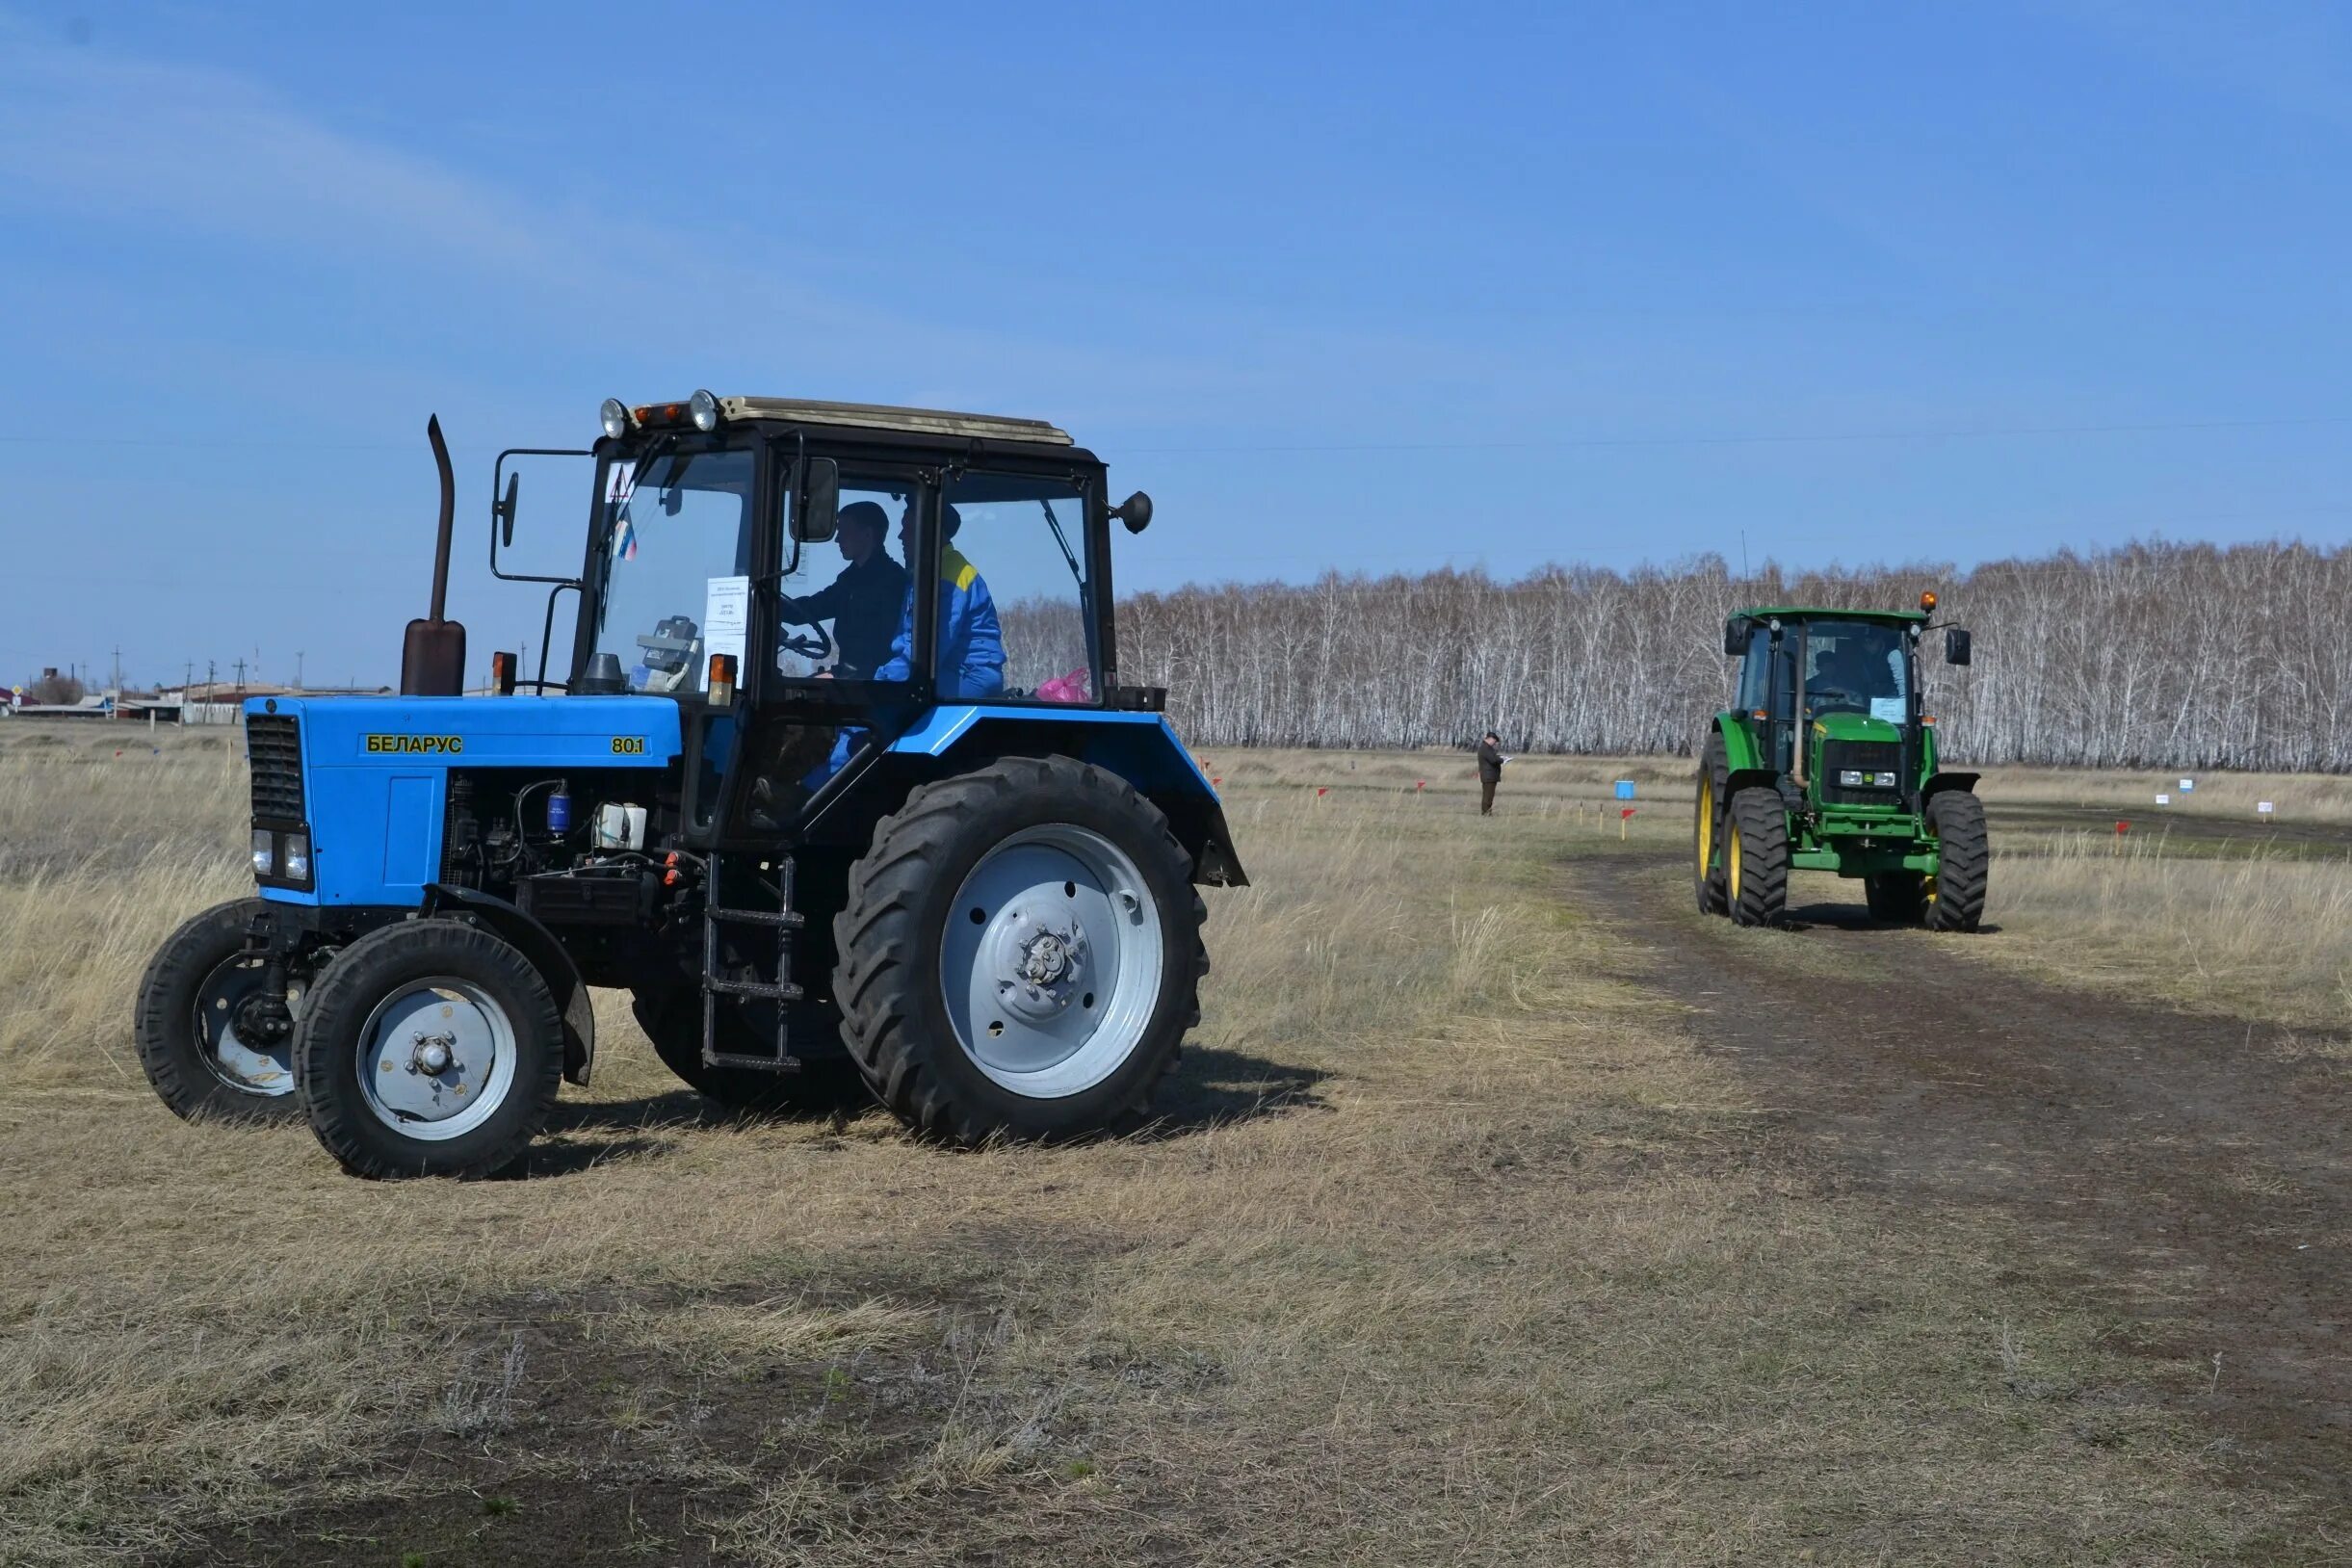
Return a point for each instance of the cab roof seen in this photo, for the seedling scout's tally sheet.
(1893, 618)
(874, 416)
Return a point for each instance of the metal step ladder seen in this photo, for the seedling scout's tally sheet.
(783, 919)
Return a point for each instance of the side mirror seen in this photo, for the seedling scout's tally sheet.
(817, 508)
(1734, 638)
(502, 511)
(1136, 511)
(1955, 644)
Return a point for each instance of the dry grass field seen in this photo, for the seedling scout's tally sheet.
(1462, 1240)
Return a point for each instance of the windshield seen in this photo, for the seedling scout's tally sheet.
(677, 566)
(1857, 666)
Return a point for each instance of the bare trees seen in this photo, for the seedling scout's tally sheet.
(2147, 655)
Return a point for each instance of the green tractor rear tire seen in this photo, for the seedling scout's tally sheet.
(1708, 854)
(1955, 901)
(1756, 854)
(1899, 898)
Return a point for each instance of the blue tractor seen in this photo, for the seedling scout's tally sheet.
(840, 820)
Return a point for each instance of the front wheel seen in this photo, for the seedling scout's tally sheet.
(215, 1043)
(430, 1048)
(1020, 954)
(1709, 877)
(1964, 857)
(1756, 857)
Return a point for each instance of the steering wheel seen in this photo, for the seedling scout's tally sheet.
(815, 646)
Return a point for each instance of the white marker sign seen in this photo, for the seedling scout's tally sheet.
(2164, 799)
(2264, 807)
(2187, 784)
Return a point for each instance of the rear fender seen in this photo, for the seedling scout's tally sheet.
(537, 942)
(1140, 747)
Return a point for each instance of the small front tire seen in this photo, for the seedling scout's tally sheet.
(1756, 851)
(1964, 857)
(209, 1047)
(430, 1048)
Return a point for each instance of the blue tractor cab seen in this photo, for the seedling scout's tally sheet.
(841, 784)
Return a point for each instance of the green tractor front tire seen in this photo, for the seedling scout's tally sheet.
(1755, 855)
(1709, 877)
(1964, 855)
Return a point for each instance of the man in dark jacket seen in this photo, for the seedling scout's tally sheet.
(1490, 772)
(864, 602)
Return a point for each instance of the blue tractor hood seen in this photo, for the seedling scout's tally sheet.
(373, 772)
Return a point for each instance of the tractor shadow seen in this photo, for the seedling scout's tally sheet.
(1852, 917)
(1212, 1087)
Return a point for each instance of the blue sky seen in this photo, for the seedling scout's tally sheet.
(1357, 287)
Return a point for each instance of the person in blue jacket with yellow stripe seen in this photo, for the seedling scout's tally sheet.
(970, 644)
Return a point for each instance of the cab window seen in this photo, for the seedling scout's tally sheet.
(675, 566)
(1014, 590)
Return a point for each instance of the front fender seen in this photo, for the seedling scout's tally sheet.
(1939, 783)
(537, 942)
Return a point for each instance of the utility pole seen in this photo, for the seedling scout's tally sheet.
(210, 670)
(241, 678)
(297, 670)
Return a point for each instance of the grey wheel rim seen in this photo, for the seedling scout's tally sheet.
(436, 1058)
(261, 1068)
(1052, 960)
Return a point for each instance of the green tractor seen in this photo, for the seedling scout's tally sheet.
(1827, 762)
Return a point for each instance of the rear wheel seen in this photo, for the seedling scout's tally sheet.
(1020, 954)
(1897, 897)
(215, 1046)
(672, 1020)
(1709, 877)
(1756, 858)
(1964, 857)
(430, 1048)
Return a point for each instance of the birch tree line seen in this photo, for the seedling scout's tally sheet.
(2147, 655)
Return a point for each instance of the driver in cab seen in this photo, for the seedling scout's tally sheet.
(1846, 679)
(970, 644)
(866, 601)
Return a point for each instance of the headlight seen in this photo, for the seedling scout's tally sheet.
(703, 410)
(616, 416)
(265, 853)
(1854, 778)
(297, 857)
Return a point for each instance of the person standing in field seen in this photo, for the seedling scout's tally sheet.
(1490, 772)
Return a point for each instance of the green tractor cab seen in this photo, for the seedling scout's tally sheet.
(1827, 761)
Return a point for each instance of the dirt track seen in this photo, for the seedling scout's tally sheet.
(2190, 1173)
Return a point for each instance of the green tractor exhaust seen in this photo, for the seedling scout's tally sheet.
(1827, 761)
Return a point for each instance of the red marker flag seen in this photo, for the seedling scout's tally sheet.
(1322, 790)
(2122, 827)
(1624, 814)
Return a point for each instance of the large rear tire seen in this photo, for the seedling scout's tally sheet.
(206, 1038)
(672, 1020)
(1020, 954)
(1755, 853)
(1964, 857)
(430, 1048)
(1709, 876)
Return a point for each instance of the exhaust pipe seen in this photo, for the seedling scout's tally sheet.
(432, 655)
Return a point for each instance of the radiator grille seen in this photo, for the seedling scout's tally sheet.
(274, 745)
(1864, 756)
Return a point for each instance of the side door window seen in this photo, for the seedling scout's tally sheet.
(1015, 603)
(1755, 671)
(846, 603)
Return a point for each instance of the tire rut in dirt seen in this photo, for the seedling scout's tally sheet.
(2196, 1176)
